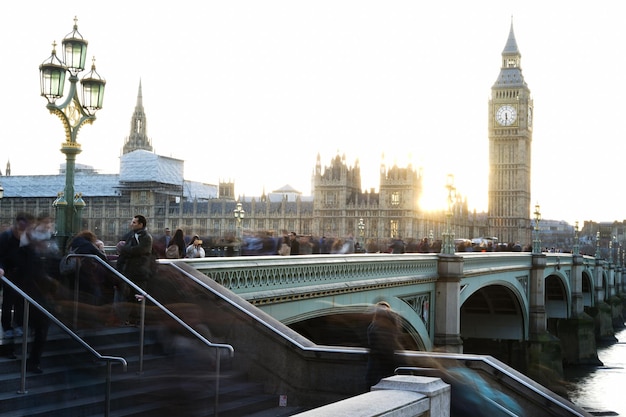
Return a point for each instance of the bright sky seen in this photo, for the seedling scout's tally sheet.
(252, 91)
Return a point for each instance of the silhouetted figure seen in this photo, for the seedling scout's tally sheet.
(383, 340)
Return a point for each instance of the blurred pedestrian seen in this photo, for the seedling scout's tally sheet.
(13, 245)
(91, 276)
(294, 244)
(383, 338)
(176, 247)
(22, 258)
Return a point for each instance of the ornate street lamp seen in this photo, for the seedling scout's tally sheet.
(448, 236)
(239, 214)
(598, 254)
(74, 113)
(537, 240)
(361, 226)
(576, 246)
(611, 249)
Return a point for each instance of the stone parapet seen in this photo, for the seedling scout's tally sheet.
(398, 396)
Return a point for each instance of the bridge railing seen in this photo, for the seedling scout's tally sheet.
(255, 274)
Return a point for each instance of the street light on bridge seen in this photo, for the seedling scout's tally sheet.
(537, 240)
(361, 226)
(576, 245)
(448, 236)
(74, 113)
(239, 214)
(613, 249)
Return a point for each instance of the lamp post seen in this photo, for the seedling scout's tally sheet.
(576, 245)
(598, 254)
(448, 236)
(361, 226)
(537, 240)
(611, 249)
(239, 214)
(74, 113)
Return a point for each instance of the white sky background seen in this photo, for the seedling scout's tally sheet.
(252, 91)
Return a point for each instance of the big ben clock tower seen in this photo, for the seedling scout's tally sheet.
(510, 138)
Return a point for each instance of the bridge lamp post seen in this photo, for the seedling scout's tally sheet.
(576, 245)
(448, 236)
(361, 226)
(537, 240)
(239, 214)
(74, 112)
(598, 254)
(612, 248)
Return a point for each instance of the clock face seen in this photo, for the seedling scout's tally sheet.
(506, 115)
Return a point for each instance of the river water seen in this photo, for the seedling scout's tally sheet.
(600, 390)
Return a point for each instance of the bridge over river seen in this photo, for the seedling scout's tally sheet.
(519, 307)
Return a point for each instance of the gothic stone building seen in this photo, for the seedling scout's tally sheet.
(154, 186)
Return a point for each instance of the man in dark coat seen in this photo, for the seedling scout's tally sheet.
(136, 260)
(294, 244)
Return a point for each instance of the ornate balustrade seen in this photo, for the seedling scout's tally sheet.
(255, 277)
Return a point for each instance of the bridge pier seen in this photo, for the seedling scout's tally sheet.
(545, 363)
(602, 312)
(618, 319)
(577, 335)
(614, 300)
(447, 304)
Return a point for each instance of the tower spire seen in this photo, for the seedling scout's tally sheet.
(511, 44)
(138, 138)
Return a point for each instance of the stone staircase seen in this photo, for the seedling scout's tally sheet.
(171, 382)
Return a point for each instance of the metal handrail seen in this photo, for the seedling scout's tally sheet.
(142, 296)
(28, 300)
(501, 370)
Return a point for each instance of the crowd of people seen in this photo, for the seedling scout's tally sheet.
(31, 259)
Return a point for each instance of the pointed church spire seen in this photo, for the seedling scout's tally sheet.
(139, 104)
(511, 44)
(138, 138)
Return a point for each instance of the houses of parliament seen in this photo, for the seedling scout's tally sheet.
(154, 186)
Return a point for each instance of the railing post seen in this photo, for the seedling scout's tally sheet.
(76, 293)
(217, 380)
(142, 327)
(107, 392)
(26, 331)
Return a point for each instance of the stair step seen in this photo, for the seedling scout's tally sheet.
(73, 382)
